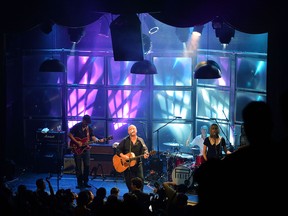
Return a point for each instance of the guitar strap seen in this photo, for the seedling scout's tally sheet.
(130, 146)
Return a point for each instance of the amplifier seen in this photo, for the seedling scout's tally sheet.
(69, 164)
(50, 137)
(99, 164)
(102, 149)
(101, 159)
(48, 157)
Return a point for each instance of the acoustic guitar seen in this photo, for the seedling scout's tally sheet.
(121, 165)
(76, 149)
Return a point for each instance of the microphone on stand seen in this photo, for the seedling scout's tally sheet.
(177, 117)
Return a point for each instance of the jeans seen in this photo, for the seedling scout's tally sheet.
(131, 172)
(82, 167)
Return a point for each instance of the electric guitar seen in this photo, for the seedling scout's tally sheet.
(76, 149)
(121, 165)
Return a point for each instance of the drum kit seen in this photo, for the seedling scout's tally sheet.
(179, 165)
(174, 165)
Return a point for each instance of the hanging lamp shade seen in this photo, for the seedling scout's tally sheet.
(143, 67)
(52, 65)
(207, 70)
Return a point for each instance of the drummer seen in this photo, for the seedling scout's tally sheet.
(197, 142)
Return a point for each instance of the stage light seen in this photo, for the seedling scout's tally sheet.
(76, 34)
(182, 34)
(46, 27)
(223, 31)
(225, 34)
(198, 29)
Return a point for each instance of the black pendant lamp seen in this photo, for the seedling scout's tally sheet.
(207, 70)
(143, 67)
(52, 65)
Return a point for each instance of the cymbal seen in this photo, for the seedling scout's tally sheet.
(182, 155)
(195, 147)
(172, 144)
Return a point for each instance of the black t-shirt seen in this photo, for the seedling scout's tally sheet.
(214, 151)
(126, 146)
(77, 131)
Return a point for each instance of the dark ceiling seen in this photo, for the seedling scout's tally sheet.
(245, 16)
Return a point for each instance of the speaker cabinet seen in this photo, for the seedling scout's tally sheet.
(69, 164)
(99, 165)
(126, 38)
(48, 158)
(104, 149)
(100, 160)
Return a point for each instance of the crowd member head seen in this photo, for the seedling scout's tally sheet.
(115, 191)
(101, 193)
(136, 183)
(257, 120)
(40, 184)
(84, 197)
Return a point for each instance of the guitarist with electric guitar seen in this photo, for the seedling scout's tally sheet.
(81, 135)
(78, 149)
(129, 155)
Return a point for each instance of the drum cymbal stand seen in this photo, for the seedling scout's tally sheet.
(171, 166)
(157, 132)
(166, 173)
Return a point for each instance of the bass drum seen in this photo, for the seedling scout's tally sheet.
(182, 175)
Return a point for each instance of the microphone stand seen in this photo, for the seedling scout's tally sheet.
(230, 126)
(145, 133)
(157, 131)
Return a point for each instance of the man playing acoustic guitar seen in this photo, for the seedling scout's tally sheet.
(130, 152)
(80, 135)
